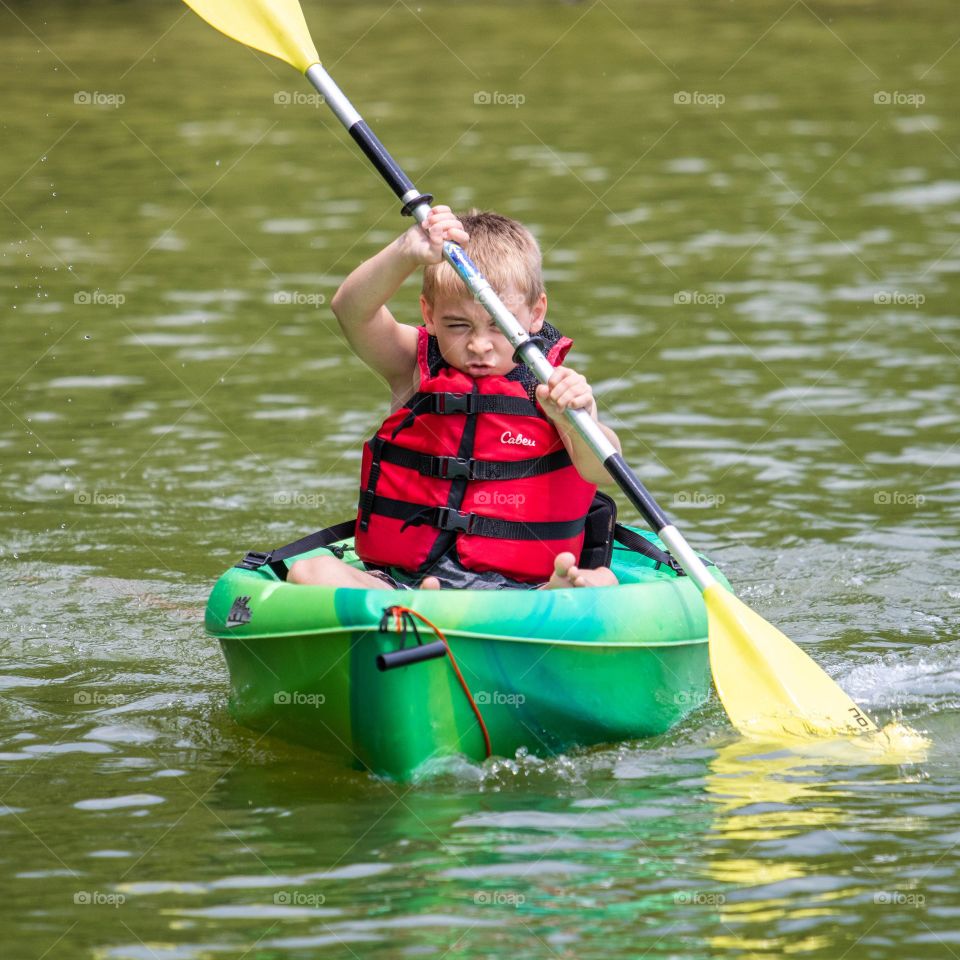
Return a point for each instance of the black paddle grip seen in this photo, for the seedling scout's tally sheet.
(409, 655)
(377, 154)
(635, 491)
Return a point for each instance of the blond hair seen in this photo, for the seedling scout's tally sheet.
(505, 252)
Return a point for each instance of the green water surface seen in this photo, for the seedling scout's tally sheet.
(750, 218)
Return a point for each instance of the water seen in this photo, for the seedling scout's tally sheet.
(762, 291)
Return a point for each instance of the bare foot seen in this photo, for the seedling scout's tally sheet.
(567, 574)
(430, 583)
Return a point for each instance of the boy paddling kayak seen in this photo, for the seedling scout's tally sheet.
(476, 478)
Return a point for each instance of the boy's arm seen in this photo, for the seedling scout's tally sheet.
(569, 389)
(389, 348)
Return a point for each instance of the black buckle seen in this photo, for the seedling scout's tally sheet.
(674, 565)
(449, 468)
(450, 519)
(454, 403)
(254, 560)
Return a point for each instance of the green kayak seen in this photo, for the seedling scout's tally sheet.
(547, 670)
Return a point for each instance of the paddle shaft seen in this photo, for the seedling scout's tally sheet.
(526, 347)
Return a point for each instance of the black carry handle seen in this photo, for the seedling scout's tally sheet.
(410, 655)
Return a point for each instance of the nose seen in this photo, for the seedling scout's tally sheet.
(480, 344)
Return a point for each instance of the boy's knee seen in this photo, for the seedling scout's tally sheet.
(314, 570)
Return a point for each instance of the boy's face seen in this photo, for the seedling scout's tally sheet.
(468, 337)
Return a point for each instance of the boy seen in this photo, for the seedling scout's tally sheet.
(464, 430)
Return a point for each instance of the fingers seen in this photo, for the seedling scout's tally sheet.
(565, 389)
(441, 223)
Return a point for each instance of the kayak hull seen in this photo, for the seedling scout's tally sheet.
(549, 670)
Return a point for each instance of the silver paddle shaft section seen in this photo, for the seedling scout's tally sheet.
(692, 565)
(333, 96)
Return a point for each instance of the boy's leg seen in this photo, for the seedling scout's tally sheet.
(567, 574)
(328, 571)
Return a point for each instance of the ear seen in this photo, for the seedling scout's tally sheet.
(538, 313)
(426, 311)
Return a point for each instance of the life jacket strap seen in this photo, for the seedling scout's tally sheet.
(472, 403)
(448, 518)
(366, 497)
(448, 468)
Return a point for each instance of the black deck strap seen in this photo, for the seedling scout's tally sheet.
(446, 518)
(448, 468)
(640, 544)
(366, 496)
(470, 403)
(321, 538)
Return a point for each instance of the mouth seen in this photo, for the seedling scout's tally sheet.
(479, 369)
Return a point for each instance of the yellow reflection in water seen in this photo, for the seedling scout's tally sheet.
(766, 791)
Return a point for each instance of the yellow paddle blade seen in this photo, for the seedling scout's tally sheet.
(769, 687)
(276, 27)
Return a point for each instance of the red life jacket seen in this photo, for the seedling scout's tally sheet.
(473, 462)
